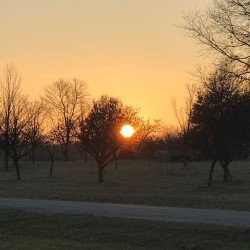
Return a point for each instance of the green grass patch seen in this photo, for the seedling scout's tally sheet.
(36, 231)
(134, 182)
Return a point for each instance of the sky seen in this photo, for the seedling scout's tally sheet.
(131, 49)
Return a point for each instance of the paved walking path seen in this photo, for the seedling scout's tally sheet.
(171, 214)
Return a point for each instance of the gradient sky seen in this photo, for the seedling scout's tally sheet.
(125, 48)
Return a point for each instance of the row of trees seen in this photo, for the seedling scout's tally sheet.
(64, 116)
(216, 118)
(24, 125)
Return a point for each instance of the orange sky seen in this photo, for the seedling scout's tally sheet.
(126, 48)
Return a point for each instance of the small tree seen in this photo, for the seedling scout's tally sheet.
(100, 131)
(65, 101)
(221, 118)
(19, 131)
(152, 137)
(49, 145)
(10, 90)
(183, 117)
(36, 127)
(152, 144)
(170, 140)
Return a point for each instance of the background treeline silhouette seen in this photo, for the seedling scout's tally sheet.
(213, 124)
(65, 125)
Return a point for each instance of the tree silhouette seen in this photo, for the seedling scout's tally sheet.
(183, 117)
(36, 127)
(10, 91)
(65, 102)
(224, 29)
(100, 131)
(221, 118)
(19, 131)
(48, 143)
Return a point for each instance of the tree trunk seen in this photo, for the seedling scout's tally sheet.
(6, 158)
(211, 172)
(152, 155)
(51, 166)
(184, 158)
(6, 147)
(66, 152)
(100, 173)
(184, 153)
(227, 176)
(16, 163)
(66, 145)
(33, 153)
(85, 156)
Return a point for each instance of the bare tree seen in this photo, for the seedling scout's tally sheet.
(224, 29)
(65, 102)
(10, 91)
(49, 145)
(170, 140)
(183, 117)
(153, 140)
(19, 131)
(36, 127)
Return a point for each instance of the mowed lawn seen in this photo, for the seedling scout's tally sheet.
(42, 232)
(133, 182)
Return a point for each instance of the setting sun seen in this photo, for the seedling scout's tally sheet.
(127, 131)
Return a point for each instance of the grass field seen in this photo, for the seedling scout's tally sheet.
(42, 232)
(134, 182)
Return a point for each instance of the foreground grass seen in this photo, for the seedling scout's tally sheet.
(36, 231)
(134, 182)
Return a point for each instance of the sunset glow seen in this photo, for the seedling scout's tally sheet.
(127, 131)
(107, 44)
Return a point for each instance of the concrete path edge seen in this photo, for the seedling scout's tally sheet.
(156, 213)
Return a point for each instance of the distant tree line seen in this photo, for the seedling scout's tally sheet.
(214, 121)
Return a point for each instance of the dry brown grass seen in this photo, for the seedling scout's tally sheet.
(134, 182)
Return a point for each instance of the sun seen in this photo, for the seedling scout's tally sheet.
(127, 131)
